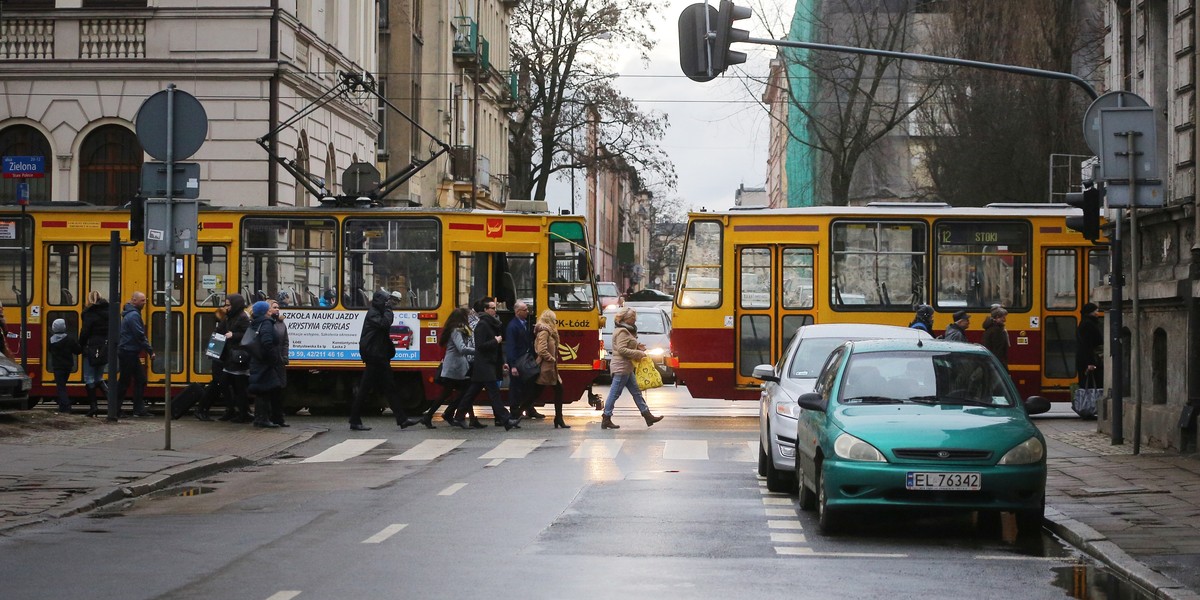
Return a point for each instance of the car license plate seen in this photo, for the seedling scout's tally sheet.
(934, 481)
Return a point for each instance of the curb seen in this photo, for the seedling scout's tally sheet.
(1099, 547)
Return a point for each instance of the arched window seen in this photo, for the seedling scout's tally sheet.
(23, 140)
(110, 164)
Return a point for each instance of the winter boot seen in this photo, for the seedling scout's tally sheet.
(650, 419)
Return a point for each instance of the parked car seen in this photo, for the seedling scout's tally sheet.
(654, 330)
(608, 294)
(796, 374)
(14, 386)
(924, 425)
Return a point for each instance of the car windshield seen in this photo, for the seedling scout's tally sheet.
(648, 323)
(608, 290)
(810, 356)
(946, 378)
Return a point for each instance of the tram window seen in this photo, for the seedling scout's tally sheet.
(99, 268)
(10, 261)
(571, 285)
(203, 324)
(754, 286)
(62, 274)
(878, 265)
(754, 343)
(394, 255)
(158, 339)
(701, 277)
(1060, 346)
(211, 273)
(797, 278)
(291, 260)
(1060, 280)
(470, 278)
(159, 281)
(790, 323)
(981, 264)
(519, 278)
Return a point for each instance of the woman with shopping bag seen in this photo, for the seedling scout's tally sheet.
(626, 351)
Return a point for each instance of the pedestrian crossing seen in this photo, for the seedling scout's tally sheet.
(520, 448)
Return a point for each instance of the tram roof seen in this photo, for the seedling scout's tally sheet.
(924, 209)
(76, 206)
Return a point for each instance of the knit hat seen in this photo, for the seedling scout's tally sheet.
(960, 315)
(59, 326)
(1089, 308)
(998, 312)
(259, 309)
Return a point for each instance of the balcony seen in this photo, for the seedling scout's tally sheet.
(507, 99)
(466, 40)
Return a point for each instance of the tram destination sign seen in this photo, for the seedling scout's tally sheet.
(981, 234)
(24, 167)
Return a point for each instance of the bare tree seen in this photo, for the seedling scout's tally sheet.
(563, 49)
(843, 105)
(988, 135)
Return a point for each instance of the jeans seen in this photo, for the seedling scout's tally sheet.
(622, 381)
(92, 374)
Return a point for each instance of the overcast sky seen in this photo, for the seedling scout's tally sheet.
(717, 137)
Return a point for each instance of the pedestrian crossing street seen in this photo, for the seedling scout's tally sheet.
(519, 448)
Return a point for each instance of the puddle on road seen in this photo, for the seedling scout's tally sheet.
(1096, 582)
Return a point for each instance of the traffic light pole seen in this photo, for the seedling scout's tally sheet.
(945, 60)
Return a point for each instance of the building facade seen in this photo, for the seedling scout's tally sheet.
(75, 72)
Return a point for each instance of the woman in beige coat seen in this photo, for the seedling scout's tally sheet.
(626, 351)
(545, 346)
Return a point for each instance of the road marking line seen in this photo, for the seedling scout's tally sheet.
(782, 524)
(428, 449)
(598, 449)
(387, 532)
(777, 501)
(794, 551)
(343, 451)
(780, 512)
(513, 449)
(788, 538)
(686, 450)
(495, 463)
(284, 595)
(1065, 559)
(450, 490)
(764, 491)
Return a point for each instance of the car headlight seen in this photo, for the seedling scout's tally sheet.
(852, 448)
(656, 351)
(1028, 452)
(787, 409)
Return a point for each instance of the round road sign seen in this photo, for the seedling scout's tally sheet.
(1091, 118)
(190, 124)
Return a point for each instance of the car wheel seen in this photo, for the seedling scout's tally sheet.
(777, 481)
(763, 459)
(827, 520)
(807, 498)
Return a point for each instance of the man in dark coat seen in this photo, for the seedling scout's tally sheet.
(995, 336)
(132, 344)
(376, 348)
(487, 368)
(1089, 345)
(517, 343)
(265, 383)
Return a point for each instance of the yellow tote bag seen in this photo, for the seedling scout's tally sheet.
(647, 376)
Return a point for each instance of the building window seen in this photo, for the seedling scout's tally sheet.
(23, 140)
(110, 162)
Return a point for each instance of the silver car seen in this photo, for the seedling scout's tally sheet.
(796, 374)
(654, 330)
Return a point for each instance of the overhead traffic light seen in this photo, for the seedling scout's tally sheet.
(694, 42)
(705, 34)
(722, 56)
(1089, 202)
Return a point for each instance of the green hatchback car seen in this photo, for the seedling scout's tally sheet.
(924, 425)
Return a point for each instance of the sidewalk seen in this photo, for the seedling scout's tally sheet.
(1138, 514)
(70, 464)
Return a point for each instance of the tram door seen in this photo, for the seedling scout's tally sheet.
(773, 296)
(1069, 276)
(198, 288)
(72, 271)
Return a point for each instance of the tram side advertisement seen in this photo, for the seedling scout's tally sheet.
(333, 335)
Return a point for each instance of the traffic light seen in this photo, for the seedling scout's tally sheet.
(1089, 223)
(137, 219)
(722, 56)
(694, 47)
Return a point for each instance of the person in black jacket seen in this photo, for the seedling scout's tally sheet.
(376, 348)
(487, 368)
(63, 349)
(1089, 345)
(93, 337)
(236, 362)
(132, 344)
(265, 382)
